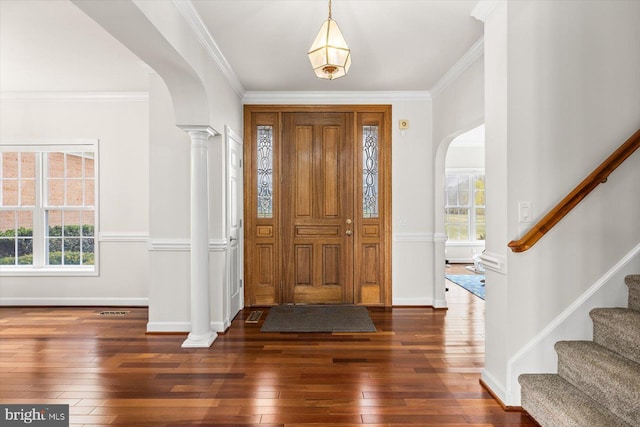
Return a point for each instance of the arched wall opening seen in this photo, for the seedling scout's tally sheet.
(440, 235)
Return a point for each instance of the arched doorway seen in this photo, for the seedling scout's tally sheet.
(470, 140)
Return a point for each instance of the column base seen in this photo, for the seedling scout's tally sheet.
(200, 341)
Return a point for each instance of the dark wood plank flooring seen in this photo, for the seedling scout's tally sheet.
(420, 368)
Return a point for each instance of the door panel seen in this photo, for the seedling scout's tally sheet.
(318, 152)
(235, 296)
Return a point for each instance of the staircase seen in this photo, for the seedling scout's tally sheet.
(598, 382)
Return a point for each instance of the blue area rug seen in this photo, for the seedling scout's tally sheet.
(471, 282)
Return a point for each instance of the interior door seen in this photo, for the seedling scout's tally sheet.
(317, 207)
(234, 221)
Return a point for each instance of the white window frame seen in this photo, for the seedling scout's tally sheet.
(39, 267)
(472, 205)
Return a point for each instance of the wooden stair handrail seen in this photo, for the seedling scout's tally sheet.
(597, 177)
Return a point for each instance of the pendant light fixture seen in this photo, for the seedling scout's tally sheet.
(329, 54)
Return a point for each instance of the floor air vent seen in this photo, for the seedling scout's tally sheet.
(254, 317)
(114, 313)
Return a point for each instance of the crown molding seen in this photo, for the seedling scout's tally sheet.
(76, 96)
(483, 9)
(469, 58)
(337, 97)
(194, 20)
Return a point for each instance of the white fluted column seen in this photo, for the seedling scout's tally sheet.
(201, 334)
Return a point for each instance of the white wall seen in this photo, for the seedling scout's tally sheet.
(169, 289)
(120, 122)
(412, 182)
(457, 108)
(460, 106)
(562, 94)
(465, 157)
(412, 186)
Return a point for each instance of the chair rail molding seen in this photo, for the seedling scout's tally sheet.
(184, 245)
(123, 236)
(494, 262)
(413, 237)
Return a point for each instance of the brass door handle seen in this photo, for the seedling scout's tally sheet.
(349, 232)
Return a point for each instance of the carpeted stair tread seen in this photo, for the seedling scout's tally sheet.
(608, 378)
(554, 402)
(617, 329)
(633, 282)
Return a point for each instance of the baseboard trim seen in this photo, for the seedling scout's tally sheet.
(493, 387)
(440, 304)
(168, 327)
(90, 302)
(412, 302)
(497, 399)
(178, 327)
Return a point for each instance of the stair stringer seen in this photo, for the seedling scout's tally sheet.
(574, 323)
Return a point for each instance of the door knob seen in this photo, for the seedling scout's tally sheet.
(349, 221)
(349, 232)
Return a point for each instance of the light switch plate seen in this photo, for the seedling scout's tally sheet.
(524, 211)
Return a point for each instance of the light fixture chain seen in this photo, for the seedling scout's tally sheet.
(329, 9)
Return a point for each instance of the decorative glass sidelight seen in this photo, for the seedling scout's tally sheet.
(370, 172)
(265, 172)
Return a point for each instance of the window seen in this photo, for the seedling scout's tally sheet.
(48, 197)
(370, 171)
(265, 171)
(464, 206)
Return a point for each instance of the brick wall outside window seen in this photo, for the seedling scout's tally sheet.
(24, 189)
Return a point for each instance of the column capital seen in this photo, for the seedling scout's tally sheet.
(200, 129)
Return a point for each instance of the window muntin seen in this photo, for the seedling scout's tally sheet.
(49, 222)
(465, 206)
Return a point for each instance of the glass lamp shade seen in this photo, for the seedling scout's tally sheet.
(329, 54)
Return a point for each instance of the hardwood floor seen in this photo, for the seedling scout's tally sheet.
(420, 368)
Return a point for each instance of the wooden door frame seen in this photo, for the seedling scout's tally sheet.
(273, 115)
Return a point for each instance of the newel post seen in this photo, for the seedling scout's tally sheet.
(201, 334)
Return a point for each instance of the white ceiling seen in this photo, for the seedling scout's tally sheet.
(397, 45)
(52, 46)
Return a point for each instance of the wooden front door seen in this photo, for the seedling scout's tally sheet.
(317, 208)
(317, 204)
